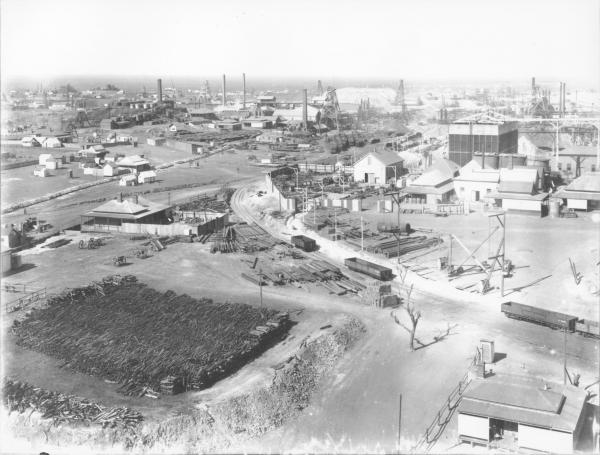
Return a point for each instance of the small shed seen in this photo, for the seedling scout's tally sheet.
(51, 163)
(43, 158)
(515, 413)
(41, 171)
(110, 169)
(128, 180)
(52, 142)
(147, 177)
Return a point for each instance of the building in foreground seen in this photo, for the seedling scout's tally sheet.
(515, 413)
(486, 134)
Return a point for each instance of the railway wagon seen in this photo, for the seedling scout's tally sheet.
(587, 328)
(304, 243)
(369, 268)
(539, 316)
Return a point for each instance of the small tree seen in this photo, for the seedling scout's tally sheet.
(414, 316)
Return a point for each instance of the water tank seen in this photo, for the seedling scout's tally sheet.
(554, 208)
(486, 161)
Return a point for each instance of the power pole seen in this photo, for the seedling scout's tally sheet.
(399, 420)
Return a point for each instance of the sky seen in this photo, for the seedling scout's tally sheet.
(428, 39)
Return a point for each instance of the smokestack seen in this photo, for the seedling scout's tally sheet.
(244, 90)
(305, 110)
(564, 98)
(533, 86)
(224, 90)
(320, 87)
(159, 89)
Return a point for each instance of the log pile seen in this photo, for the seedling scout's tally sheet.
(60, 408)
(123, 331)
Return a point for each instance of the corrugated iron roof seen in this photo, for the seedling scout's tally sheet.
(437, 174)
(526, 401)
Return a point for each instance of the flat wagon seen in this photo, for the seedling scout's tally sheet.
(536, 315)
(369, 268)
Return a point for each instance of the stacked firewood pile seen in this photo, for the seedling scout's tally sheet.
(21, 396)
(137, 336)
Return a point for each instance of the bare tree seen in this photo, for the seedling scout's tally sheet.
(414, 316)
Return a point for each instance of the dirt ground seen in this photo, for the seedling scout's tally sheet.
(356, 409)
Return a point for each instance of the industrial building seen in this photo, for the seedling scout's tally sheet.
(475, 183)
(519, 190)
(434, 186)
(513, 413)
(378, 167)
(583, 193)
(486, 134)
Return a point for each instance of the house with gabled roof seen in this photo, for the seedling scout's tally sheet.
(378, 167)
(435, 185)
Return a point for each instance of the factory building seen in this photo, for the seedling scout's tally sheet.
(516, 413)
(485, 134)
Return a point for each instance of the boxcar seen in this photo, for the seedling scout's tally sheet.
(304, 243)
(587, 328)
(539, 316)
(369, 268)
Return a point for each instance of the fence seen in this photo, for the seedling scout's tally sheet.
(324, 168)
(285, 203)
(37, 296)
(445, 413)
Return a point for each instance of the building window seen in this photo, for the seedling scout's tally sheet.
(568, 167)
(488, 190)
(560, 166)
(593, 168)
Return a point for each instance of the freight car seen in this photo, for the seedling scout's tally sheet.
(587, 328)
(536, 315)
(369, 268)
(304, 243)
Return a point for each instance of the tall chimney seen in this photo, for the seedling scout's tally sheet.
(533, 85)
(224, 91)
(159, 89)
(320, 87)
(244, 90)
(305, 110)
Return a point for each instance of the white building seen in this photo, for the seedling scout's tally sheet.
(474, 184)
(43, 158)
(51, 163)
(378, 168)
(52, 142)
(110, 169)
(128, 180)
(41, 171)
(518, 191)
(146, 177)
(515, 413)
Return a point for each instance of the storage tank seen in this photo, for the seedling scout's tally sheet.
(511, 160)
(487, 161)
(554, 208)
